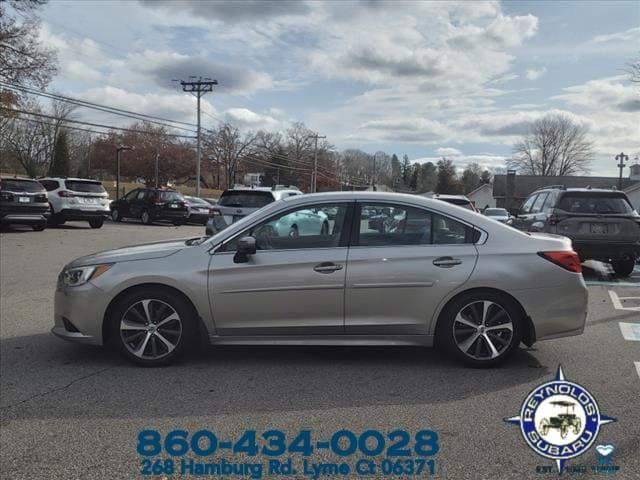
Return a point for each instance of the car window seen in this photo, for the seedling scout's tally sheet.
(601, 203)
(537, 205)
(49, 185)
(526, 207)
(141, 195)
(496, 212)
(170, 196)
(394, 225)
(18, 185)
(316, 226)
(84, 186)
(245, 198)
(131, 195)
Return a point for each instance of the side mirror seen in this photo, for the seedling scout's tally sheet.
(246, 247)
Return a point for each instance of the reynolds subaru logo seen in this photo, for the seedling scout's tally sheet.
(560, 420)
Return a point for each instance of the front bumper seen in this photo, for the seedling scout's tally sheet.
(83, 307)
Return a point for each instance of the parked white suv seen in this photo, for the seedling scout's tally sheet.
(76, 199)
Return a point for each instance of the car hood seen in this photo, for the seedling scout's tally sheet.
(138, 252)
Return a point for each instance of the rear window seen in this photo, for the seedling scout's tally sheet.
(15, 185)
(496, 212)
(456, 201)
(84, 186)
(170, 196)
(601, 203)
(245, 199)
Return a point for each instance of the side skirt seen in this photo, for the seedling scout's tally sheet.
(353, 340)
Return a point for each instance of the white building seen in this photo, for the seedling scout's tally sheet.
(633, 192)
(482, 197)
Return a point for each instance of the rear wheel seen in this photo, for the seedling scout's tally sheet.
(481, 329)
(146, 217)
(624, 267)
(96, 222)
(39, 227)
(152, 327)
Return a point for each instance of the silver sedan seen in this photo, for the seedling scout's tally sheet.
(442, 275)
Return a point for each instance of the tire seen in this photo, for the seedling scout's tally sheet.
(141, 336)
(39, 227)
(293, 232)
(115, 215)
(503, 316)
(177, 223)
(146, 217)
(624, 267)
(96, 222)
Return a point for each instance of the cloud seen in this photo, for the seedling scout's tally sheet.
(235, 11)
(535, 74)
(164, 67)
(604, 94)
(246, 119)
(630, 35)
(448, 152)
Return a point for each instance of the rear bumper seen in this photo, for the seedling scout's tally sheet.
(605, 250)
(25, 216)
(200, 218)
(77, 214)
(556, 312)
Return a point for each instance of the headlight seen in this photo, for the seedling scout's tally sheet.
(74, 277)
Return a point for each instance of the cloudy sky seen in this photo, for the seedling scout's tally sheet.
(422, 78)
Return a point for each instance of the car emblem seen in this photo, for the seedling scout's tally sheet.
(560, 420)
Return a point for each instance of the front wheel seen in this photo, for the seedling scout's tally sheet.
(152, 327)
(624, 267)
(96, 222)
(146, 218)
(115, 215)
(480, 329)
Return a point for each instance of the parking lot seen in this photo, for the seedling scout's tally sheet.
(72, 411)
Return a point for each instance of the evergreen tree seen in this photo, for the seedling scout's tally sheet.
(447, 178)
(396, 171)
(413, 184)
(486, 177)
(61, 164)
(428, 177)
(406, 170)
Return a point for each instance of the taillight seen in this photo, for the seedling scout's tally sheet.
(555, 219)
(214, 212)
(567, 259)
(65, 194)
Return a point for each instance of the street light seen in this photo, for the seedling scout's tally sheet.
(118, 150)
(622, 158)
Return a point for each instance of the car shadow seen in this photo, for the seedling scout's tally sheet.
(44, 377)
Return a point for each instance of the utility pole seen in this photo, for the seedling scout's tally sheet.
(120, 149)
(157, 160)
(621, 158)
(198, 88)
(373, 177)
(314, 174)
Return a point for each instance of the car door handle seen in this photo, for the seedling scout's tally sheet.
(446, 262)
(327, 267)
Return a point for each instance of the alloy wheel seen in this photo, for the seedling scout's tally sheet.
(483, 330)
(150, 329)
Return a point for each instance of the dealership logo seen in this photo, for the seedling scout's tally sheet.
(560, 420)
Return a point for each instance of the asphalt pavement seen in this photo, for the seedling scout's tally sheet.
(72, 411)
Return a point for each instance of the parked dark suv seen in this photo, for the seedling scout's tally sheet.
(601, 224)
(149, 205)
(23, 201)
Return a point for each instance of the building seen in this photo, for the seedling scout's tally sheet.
(510, 190)
(482, 197)
(253, 179)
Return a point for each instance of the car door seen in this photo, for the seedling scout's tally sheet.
(533, 220)
(138, 203)
(292, 285)
(396, 277)
(123, 205)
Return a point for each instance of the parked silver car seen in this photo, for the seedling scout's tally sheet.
(443, 275)
(499, 214)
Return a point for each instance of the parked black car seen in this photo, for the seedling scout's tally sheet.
(149, 205)
(23, 201)
(602, 224)
(198, 210)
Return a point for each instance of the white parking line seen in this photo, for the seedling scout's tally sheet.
(637, 367)
(630, 331)
(617, 304)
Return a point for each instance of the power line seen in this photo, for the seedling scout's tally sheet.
(70, 127)
(95, 106)
(52, 117)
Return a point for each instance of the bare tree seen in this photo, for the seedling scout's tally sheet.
(23, 59)
(554, 146)
(228, 147)
(25, 142)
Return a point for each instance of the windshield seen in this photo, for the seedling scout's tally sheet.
(496, 212)
(14, 185)
(245, 199)
(170, 196)
(594, 203)
(84, 186)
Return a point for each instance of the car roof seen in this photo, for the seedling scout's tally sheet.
(73, 179)
(452, 197)
(577, 189)
(7, 177)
